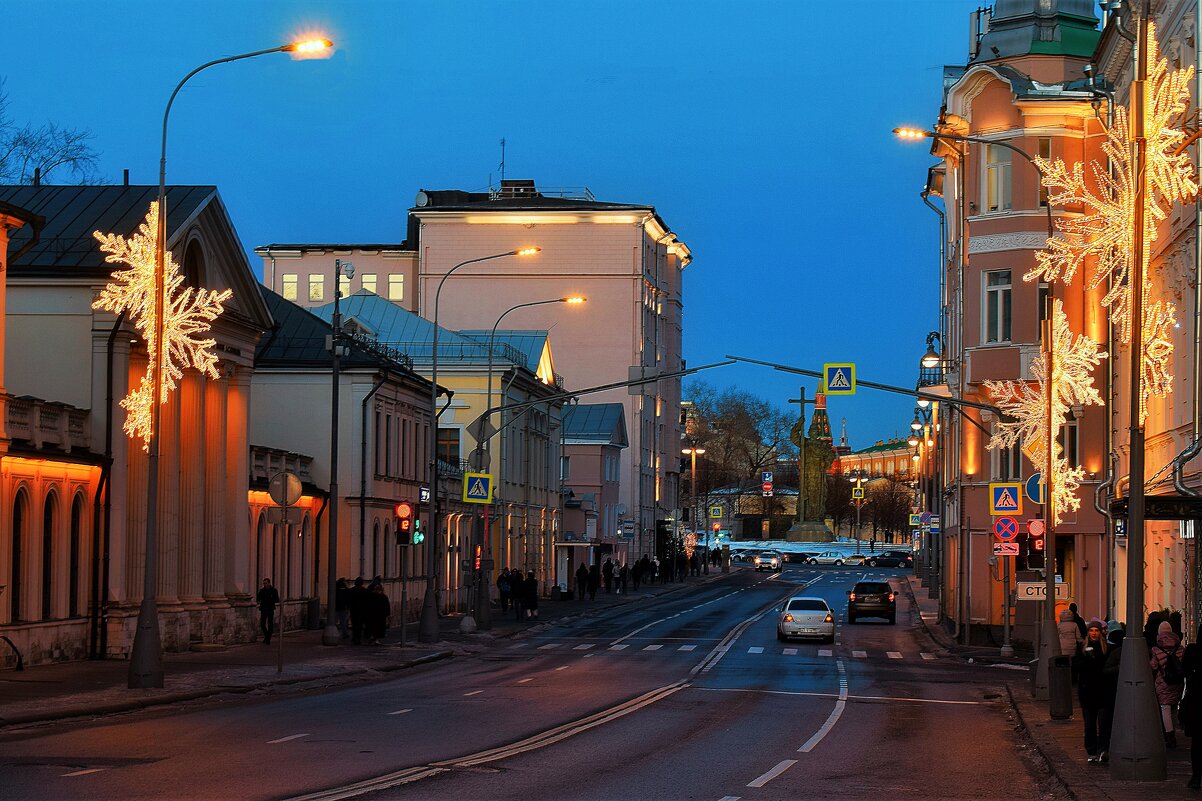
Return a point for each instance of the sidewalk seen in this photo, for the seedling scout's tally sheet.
(1060, 743)
(90, 688)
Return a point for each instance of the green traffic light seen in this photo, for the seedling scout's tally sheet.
(418, 538)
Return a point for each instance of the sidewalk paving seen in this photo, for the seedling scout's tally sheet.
(1059, 742)
(97, 687)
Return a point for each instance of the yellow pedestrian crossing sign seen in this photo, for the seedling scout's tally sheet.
(839, 379)
(1005, 498)
(477, 487)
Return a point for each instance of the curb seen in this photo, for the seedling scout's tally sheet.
(1033, 745)
(192, 695)
(939, 643)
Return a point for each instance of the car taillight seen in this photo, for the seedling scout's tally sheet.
(852, 596)
(890, 596)
(829, 619)
(788, 618)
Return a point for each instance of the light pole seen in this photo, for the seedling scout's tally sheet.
(483, 461)
(858, 475)
(146, 658)
(693, 452)
(428, 628)
(330, 634)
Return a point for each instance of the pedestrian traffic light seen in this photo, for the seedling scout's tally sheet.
(1037, 543)
(419, 536)
(404, 526)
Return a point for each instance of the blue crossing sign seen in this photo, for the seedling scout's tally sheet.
(839, 379)
(1005, 497)
(477, 487)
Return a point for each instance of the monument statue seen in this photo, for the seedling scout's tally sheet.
(816, 454)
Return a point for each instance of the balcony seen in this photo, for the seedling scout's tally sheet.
(267, 462)
(47, 424)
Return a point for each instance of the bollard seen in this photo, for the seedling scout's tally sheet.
(1060, 688)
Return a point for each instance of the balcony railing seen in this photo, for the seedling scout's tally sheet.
(267, 462)
(47, 424)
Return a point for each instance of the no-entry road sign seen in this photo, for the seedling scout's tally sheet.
(1005, 529)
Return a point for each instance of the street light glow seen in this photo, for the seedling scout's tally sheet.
(574, 301)
(308, 46)
(526, 251)
(911, 133)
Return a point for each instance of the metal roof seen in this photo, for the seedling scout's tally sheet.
(601, 423)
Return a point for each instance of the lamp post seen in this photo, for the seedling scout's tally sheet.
(428, 626)
(858, 475)
(931, 368)
(692, 451)
(330, 634)
(145, 659)
(483, 461)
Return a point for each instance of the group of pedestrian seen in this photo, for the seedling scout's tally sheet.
(519, 592)
(363, 611)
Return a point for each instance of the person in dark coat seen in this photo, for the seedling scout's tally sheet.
(378, 611)
(359, 604)
(517, 591)
(530, 595)
(594, 581)
(1151, 627)
(1080, 621)
(581, 580)
(607, 575)
(268, 598)
(1091, 689)
(623, 573)
(636, 574)
(1191, 708)
(342, 607)
(503, 590)
(1167, 655)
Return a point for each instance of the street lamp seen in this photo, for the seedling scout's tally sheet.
(693, 451)
(428, 627)
(330, 634)
(483, 453)
(146, 659)
(858, 475)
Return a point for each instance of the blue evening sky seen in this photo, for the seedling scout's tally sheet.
(759, 129)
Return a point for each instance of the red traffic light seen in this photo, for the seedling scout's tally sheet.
(717, 526)
(406, 525)
(1037, 544)
(404, 510)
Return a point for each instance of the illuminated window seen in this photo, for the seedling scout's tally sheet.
(288, 286)
(997, 178)
(1069, 439)
(317, 288)
(997, 306)
(344, 286)
(1007, 463)
(369, 282)
(448, 446)
(396, 287)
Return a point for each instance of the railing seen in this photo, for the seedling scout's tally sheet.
(47, 423)
(449, 351)
(267, 462)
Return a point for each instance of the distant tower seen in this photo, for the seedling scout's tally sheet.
(842, 449)
(820, 425)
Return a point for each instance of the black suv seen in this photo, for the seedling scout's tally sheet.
(891, 559)
(871, 599)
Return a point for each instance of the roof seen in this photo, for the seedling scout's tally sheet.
(883, 447)
(1039, 27)
(72, 213)
(265, 250)
(459, 200)
(530, 344)
(595, 423)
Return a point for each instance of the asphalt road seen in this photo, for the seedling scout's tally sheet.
(691, 697)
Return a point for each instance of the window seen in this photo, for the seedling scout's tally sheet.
(369, 282)
(1007, 463)
(317, 288)
(396, 287)
(1045, 152)
(997, 306)
(288, 286)
(448, 446)
(344, 286)
(997, 178)
(565, 468)
(1069, 439)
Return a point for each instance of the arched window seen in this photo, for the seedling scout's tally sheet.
(76, 545)
(194, 264)
(49, 512)
(16, 572)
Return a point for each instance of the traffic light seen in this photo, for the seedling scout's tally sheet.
(1037, 543)
(419, 536)
(404, 526)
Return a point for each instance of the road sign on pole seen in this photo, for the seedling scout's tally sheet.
(1038, 591)
(1033, 487)
(716, 512)
(1005, 549)
(477, 487)
(1005, 529)
(766, 475)
(1005, 497)
(839, 379)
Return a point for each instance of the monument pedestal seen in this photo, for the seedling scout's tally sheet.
(809, 531)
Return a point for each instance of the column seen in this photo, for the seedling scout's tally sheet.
(216, 392)
(192, 488)
(169, 501)
(237, 482)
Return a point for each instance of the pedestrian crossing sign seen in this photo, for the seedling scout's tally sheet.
(477, 487)
(1005, 497)
(839, 379)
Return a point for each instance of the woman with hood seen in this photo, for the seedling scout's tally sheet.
(1090, 663)
(1070, 635)
(1169, 673)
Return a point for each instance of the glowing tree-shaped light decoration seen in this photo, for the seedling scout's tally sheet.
(188, 315)
(1074, 359)
(1103, 235)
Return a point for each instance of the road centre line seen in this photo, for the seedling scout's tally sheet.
(400, 712)
(563, 667)
(83, 772)
(286, 739)
(780, 768)
(836, 713)
(836, 695)
(473, 692)
(670, 617)
(523, 681)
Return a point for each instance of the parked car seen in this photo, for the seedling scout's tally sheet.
(871, 599)
(806, 617)
(835, 558)
(891, 559)
(768, 560)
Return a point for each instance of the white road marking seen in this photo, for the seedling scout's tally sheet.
(780, 768)
(523, 681)
(893, 654)
(548, 646)
(400, 712)
(836, 695)
(790, 652)
(836, 713)
(562, 667)
(586, 656)
(519, 645)
(618, 647)
(686, 648)
(928, 656)
(84, 772)
(473, 692)
(859, 654)
(729, 798)
(583, 646)
(755, 649)
(655, 647)
(825, 652)
(286, 739)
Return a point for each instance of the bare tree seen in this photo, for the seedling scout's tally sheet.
(47, 149)
(839, 506)
(888, 505)
(741, 433)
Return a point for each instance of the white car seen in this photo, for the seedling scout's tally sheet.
(828, 558)
(806, 617)
(768, 560)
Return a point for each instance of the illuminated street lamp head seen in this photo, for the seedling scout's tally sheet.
(308, 46)
(698, 451)
(912, 133)
(912, 441)
(923, 403)
(915, 424)
(575, 300)
(526, 251)
(930, 358)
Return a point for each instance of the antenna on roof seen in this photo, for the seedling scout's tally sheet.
(502, 159)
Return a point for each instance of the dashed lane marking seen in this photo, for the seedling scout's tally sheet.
(836, 713)
(790, 652)
(473, 692)
(621, 647)
(286, 739)
(400, 712)
(928, 656)
(548, 646)
(893, 654)
(83, 772)
(825, 652)
(523, 681)
(687, 648)
(859, 654)
(780, 768)
(755, 649)
(583, 646)
(655, 647)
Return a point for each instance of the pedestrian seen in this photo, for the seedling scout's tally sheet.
(378, 611)
(582, 580)
(1070, 637)
(503, 588)
(342, 608)
(268, 598)
(1169, 673)
(1090, 663)
(636, 574)
(1151, 627)
(594, 581)
(359, 606)
(530, 595)
(1189, 709)
(654, 569)
(695, 564)
(607, 575)
(518, 591)
(1080, 621)
(1110, 675)
(623, 574)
